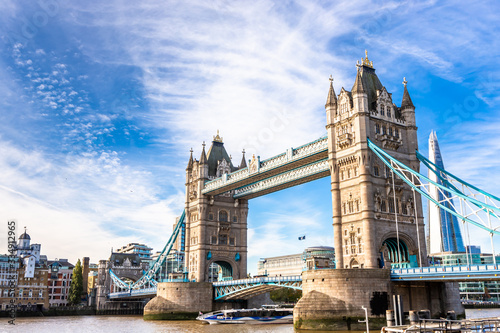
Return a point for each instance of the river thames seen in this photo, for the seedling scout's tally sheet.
(137, 324)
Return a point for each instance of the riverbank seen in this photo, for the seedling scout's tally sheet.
(72, 311)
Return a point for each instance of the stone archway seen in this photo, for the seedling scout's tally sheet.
(395, 253)
(219, 269)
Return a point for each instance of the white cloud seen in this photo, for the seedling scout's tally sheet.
(72, 201)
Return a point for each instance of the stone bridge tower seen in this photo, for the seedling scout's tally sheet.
(216, 226)
(365, 208)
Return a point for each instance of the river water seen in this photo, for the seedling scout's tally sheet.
(137, 324)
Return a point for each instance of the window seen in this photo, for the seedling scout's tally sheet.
(210, 216)
(376, 171)
(359, 230)
(344, 208)
(391, 206)
(342, 175)
(388, 111)
(235, 218)
(222, 239)
(377, 128)
(355, 171)
(383, 130)
(390, 131)
(382, 110)
(383, 206)
(405, 210)
(396, 133)
(357, 207)
(345, 232)
(348, 173)
(231, 241)
(213, 240)
(223, 216)
(387, 172)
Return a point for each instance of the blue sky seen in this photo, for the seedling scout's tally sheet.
(100, 104)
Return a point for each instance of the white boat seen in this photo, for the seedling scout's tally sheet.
(264, 315)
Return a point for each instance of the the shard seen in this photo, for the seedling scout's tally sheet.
(444, 230)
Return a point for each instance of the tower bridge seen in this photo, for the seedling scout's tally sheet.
(371, 155)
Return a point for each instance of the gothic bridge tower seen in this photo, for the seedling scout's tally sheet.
(216, 226)
(366, 202)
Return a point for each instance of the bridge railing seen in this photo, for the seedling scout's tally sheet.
(445, 269)
(259, 280)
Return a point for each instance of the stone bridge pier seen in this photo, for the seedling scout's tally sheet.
(332, 299)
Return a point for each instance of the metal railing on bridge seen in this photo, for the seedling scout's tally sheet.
(447, 273)
(246, 288)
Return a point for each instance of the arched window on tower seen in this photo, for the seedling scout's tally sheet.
(388, 111)
(223, 216)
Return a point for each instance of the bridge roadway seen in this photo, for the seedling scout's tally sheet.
(293, 167)
(247, 288)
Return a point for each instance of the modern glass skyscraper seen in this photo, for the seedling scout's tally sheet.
(444, 230)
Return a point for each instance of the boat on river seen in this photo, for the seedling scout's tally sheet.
(264, 315)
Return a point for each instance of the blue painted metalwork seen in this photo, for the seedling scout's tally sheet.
(148, 279)
(245, 288)
(414, 179)
(447, 273)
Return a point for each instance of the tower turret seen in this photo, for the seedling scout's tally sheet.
(331, 104)
(190, 162)
(408, 113)
(203, 163)
(243, 163)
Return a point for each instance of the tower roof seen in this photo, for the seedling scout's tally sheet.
(367, 80)
(25, 235)
(216, 153)
(406, 97)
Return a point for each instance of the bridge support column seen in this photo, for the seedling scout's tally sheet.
(179, 300)
(438, 297)
(332, 298)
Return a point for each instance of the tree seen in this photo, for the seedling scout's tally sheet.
(286, 295)
(76, 288)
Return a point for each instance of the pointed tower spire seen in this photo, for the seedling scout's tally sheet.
(406, 97)
(332, 97)
(203, 158)
(243, 163)
(358, 87)
(190, 163)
